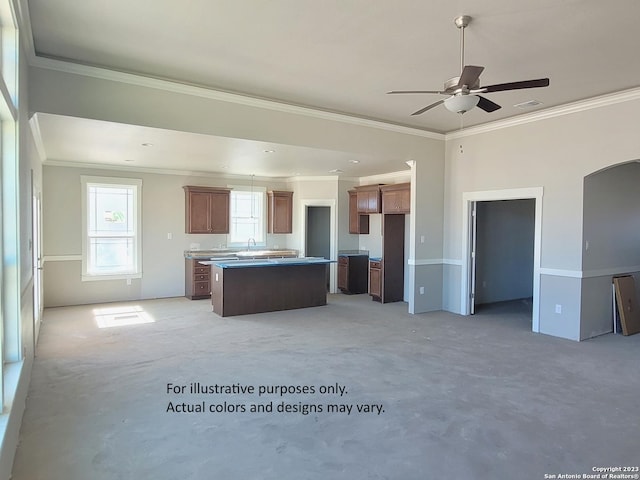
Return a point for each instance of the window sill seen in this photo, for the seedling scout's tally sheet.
(12, 373)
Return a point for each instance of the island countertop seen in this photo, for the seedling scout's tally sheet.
(267, 262)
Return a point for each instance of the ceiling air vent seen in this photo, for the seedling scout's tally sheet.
(529, 104)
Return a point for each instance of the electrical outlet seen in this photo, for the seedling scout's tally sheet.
(128, 281)
(169, 236)
(421, 290)
(421, 238)
(558, 308)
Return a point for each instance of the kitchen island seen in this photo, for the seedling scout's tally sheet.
(240, 287)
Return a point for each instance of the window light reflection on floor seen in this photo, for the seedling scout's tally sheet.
(122, 316)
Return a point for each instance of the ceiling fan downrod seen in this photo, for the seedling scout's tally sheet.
(461, 22)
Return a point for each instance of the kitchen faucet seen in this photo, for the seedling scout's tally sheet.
(249, 243)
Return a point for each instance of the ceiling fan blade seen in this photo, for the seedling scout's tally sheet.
(470, 75)
(428, 107)
(487, 105)
(414, 91)
(500, 87)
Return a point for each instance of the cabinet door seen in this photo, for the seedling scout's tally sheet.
(396, 199)
(280, 212)
(362, 201)
(206, 209)
(198, 208)
(343, 276)
(358, 224)
(375, 282)
(374, 201)
(219, 212)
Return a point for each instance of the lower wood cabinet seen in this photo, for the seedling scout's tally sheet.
(375, 280)
(197, 280)
(352, 273)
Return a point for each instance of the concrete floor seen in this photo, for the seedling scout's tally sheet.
(464, 397)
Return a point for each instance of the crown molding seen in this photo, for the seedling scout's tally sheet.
(383, 177)
(212, 94)
(159, 171)
(552, 112)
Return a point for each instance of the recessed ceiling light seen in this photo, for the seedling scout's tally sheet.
(269, 151)
(354, 161)
(147, 144)
(128, 160)
(336, 170)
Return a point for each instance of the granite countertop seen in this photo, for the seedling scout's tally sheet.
(267, 262)
(239, 253)
(375, 259)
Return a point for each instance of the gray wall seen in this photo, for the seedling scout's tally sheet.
(504, 253)
(162, 213)
(611, 241)
(554, 153)
(611, 218)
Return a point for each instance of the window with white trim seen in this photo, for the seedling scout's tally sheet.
(247, 216)
(111, 246)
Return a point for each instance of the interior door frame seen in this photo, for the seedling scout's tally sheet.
(333, 240)
(468, 201)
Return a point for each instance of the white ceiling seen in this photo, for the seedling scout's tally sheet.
(334, 55)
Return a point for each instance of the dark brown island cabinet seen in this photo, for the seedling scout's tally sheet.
(352, 273)
(197, 280)
(267, 287)
(279, 212)
(206, 210)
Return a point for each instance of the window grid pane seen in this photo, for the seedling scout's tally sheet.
(111, 235)
(247, 216)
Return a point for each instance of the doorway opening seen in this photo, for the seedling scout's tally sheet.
(502, 266)
(319, 235)
(501, 252)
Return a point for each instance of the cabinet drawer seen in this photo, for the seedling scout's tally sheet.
(375, 264)
(201, 288)
(201, 278)
(201, 269)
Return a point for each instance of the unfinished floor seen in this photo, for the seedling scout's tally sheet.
(477, 397)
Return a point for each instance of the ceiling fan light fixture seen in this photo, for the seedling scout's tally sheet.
(461, 103)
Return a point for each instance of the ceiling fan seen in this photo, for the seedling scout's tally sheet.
(463, 90)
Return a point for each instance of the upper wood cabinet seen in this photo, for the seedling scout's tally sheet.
(358, 223)
(396, 198)
(279, 212)
(368, 199)
(206, 210)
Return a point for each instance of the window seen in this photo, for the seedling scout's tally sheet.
(111, 247)
(247, 212)
(10, 313)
